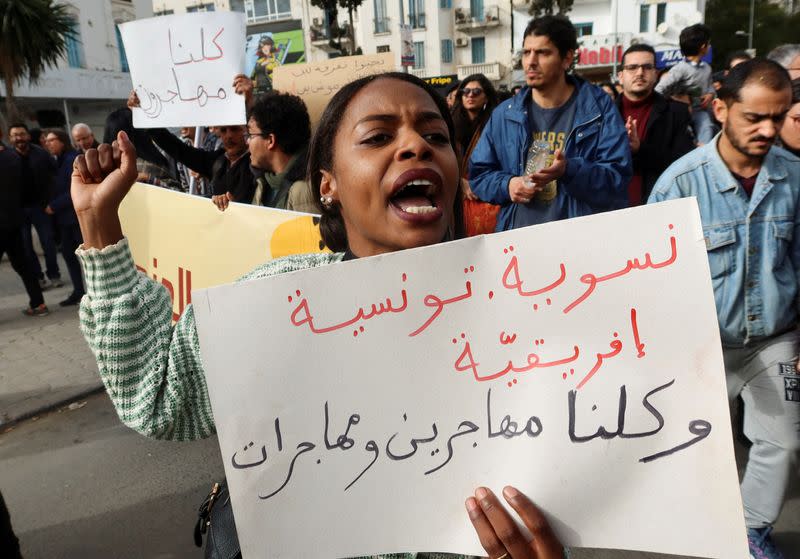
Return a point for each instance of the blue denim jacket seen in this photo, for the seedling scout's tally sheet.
(599, 164)
(753, 244)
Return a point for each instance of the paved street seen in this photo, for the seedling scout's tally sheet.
(43, 360)
(80, 485)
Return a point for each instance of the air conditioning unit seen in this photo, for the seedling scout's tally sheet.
(462, 41)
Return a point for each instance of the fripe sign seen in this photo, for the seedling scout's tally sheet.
(182, 68)
(359, 404)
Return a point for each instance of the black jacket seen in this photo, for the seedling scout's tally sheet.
(10, 189)
(43, 171)
(213, 165)
(668, 137)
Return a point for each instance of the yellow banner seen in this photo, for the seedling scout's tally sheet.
(186, 243)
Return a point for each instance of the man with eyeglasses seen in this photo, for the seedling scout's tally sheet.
(228, 168)
(658, 128)
(581, 161)
(278, 134)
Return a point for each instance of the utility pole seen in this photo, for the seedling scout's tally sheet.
(402, 24)
(615, 19)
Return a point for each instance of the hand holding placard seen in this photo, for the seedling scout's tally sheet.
(505, 359)
(187, 83)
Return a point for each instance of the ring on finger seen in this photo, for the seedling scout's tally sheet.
(503, 556)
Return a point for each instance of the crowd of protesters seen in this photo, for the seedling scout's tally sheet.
(558, 148)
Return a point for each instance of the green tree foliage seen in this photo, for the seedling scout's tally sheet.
(33, 36)
(549, 7)
(772, 27)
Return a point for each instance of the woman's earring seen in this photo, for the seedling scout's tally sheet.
(326, 201)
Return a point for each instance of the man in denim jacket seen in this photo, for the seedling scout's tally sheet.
(749, 197)
(588, 159)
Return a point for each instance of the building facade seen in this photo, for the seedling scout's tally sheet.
(93, 79)
(450, 37)
(607, 27)
(460, 37)
(321, 33)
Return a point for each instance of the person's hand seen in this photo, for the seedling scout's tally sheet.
(243, 86)
(633, 134)
(222, 200)
(100, 180)
(554, 172)
(49, 211)
(521, 193)
(706, 99)
(499, 534)
(467, 191)
(133, 100)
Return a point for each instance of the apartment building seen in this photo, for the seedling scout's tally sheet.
(607, 27)
(460, 37)
(280, 18)
(92, 80)
(450, 37)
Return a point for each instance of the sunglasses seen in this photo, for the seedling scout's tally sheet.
(471, 91)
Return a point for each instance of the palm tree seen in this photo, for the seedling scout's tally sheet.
(33, 37)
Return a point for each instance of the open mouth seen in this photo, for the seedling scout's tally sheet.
(414, 193)
(415, 197)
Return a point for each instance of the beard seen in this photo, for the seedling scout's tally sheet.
(740, 144)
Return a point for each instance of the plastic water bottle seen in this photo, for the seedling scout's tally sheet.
(538, 155)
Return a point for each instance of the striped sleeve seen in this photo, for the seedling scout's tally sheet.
(151, 369)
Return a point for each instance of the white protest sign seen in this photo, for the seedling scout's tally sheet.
(182, 68)
(359, 404)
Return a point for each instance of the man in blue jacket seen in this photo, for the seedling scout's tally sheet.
(60, 206)
(589, 160)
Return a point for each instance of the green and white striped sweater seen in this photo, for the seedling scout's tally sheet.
(152, 369)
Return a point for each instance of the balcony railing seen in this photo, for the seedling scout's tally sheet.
(466, 20)
(419, 72)
(274, 16)
(326, 38)
(492, 70)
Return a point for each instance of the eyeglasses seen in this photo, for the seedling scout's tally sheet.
(635, 67)
(471, 91)
(250, 135)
